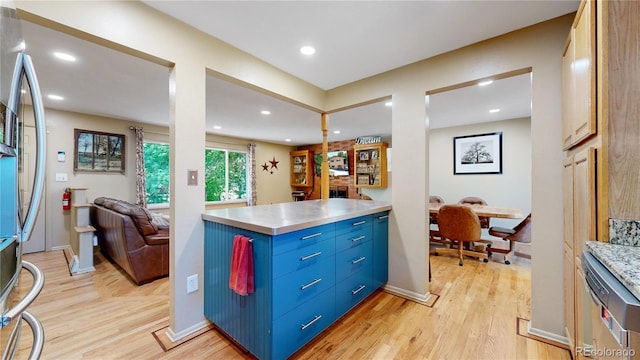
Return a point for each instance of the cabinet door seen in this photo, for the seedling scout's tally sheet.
(583, 73)
(584, 318)
(567, 201)
(301, 173)
(370, 166)
(568, 100)
(380, 249)
(584, 199)
(569, 298)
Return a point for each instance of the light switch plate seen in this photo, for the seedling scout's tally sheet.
(61, 176)
(192, 177)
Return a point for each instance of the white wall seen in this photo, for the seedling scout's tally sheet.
(271, 188)
(538, 48)
(512, 188)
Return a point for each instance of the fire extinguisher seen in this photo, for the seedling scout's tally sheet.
(66, 199)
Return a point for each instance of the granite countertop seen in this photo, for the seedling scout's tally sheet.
(276, 219)
(622, 260)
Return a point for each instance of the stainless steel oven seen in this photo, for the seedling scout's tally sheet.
(615, 313)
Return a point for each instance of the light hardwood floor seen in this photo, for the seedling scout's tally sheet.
(102, 315)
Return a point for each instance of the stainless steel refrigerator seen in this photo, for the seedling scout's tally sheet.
(17, 83)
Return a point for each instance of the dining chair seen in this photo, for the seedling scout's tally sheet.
(472, 200)
(460, 224)
(520, 233)
(434, 234)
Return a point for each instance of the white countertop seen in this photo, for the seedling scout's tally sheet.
(622, 260)
(282, 218)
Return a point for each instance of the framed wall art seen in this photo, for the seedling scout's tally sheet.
(98, 151)
(477, 154)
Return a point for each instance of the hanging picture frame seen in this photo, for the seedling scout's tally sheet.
(477, 154)
(96, 151)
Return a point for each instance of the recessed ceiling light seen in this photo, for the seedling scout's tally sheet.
(494, 110)
(287, 140)
(336, 131)
(217, 127)
(485, 83)
(265, 112)
(307, 50)
(55, 97)
(64, 56)
(388, 104)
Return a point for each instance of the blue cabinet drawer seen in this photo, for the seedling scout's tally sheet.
(299, 326)
(352, 290)
(353, 239)
(353, 225)
(302, 258)
(302, 238)
(350, 261)
(293, 289)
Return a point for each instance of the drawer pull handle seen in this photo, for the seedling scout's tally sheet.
(358, 238)
(310, 236)
(358, 260)
(303, 287)
(360, 288)
(316, 318)
(359, 223)
(383, 217)
(304, 258)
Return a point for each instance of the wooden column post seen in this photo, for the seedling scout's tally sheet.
(324, 179)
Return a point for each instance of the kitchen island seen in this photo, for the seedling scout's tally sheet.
(313, 261)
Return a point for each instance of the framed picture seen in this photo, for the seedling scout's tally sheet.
(374, 155)
(98, 151)
(363, 155)
(477, 154)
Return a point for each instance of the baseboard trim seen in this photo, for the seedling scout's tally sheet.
(176, 337)
(424, 299)
(548, 337)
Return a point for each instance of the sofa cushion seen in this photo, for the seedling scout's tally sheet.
(140, 216)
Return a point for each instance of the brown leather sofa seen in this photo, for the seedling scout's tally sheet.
(128, 237)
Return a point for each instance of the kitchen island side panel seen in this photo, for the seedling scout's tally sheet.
(247, 319)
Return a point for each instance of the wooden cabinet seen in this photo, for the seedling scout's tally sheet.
(609, 188)
(584, 199)
(578, 78)
(579, 203)
(619, 104)
(370, 165)
(301, 169)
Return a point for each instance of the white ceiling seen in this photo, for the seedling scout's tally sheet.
(354, 40)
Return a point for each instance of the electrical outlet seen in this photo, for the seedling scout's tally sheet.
(192, 283)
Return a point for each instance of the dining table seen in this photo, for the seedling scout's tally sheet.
(486, 210)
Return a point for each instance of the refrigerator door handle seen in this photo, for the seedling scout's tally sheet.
(38, 109)
(36, 287)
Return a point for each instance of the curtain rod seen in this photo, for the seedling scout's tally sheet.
(218, 141)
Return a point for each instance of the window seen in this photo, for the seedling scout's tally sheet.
(156, 166)
(225, 175)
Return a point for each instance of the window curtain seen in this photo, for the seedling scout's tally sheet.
(141, 182)
(252, 196)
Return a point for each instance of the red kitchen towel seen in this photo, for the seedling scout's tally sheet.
(241, 277)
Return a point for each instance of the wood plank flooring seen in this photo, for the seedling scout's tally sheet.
(102, 315)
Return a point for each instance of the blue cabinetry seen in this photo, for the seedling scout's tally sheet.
(304, 281)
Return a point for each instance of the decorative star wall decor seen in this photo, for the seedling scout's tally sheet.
(274, 163)
(269, 168)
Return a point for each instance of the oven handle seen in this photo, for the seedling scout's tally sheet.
(38, 283)
(593, 295)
